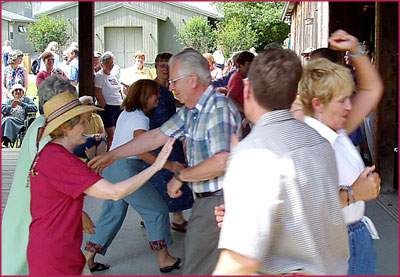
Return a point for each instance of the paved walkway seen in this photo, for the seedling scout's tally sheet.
(130, 253)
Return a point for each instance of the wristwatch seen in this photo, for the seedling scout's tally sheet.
(350, 194)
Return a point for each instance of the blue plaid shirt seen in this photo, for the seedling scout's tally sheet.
(207, 129)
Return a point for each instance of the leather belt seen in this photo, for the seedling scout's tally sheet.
(208, 194)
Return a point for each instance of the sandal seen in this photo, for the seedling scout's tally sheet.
(176, 265)
(99, 267)
(179, 227)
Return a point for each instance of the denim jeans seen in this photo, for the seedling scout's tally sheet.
(146, 201)
(363, 260)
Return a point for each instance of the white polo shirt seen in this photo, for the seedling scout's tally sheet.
(349, 164)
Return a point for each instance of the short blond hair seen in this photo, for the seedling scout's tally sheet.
(323, 79)
(139, 53)
(209, 57)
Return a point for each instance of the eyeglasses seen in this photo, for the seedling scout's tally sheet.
(50, 60)
(171, 82)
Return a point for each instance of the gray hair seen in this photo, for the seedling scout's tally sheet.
(13, 55)
(192, 62)
(106, 55)
(53, 86)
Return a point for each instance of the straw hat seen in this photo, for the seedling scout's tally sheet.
(61, 108)
(17, 86)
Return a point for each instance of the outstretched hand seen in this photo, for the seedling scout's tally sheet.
(164, 154)
(98, 163)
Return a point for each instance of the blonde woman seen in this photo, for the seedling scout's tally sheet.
(325, 90)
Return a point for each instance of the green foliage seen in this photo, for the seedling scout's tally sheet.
(235, 36)
(263, 18)
(198, 34)
(47, 29)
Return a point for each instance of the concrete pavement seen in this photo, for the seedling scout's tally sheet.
(130, 254)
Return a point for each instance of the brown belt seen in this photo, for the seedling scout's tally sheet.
(208, 194)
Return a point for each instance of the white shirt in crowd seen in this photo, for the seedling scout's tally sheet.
(127, 124)
(110, 87)
(350, 165)
(219, 57)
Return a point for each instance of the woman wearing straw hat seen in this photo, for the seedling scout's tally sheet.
(14, 113)
(59, 181)
(14, 73)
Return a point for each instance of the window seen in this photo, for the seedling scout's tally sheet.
(21, 29)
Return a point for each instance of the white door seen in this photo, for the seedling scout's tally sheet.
(123, 42)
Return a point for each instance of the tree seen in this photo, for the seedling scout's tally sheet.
(45, 30)
(198, 34)
(263, 18)
(235, 36)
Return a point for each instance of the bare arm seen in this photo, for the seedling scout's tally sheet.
(233, 263)
(144, 143)
(106, 190)
(370, 86)
(99, 96)
(150, 157)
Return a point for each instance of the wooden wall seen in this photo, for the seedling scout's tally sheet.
(387, 113)
(309, 26)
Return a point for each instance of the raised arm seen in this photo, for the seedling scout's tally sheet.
(106, 190)
(369, 84)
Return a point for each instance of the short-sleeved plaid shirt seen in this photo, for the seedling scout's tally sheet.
(207, 129)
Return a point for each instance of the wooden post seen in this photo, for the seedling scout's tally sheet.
(86, 46)
(386, 121)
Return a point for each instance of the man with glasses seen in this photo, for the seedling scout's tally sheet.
(206, 122)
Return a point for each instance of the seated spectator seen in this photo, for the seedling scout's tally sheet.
(96, 142)
(215, 72)
(14, 113)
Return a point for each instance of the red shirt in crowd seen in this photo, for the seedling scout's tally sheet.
(235, 86)
(55, 234)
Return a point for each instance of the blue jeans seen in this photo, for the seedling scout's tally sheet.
(363, 260)
(146, 201)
